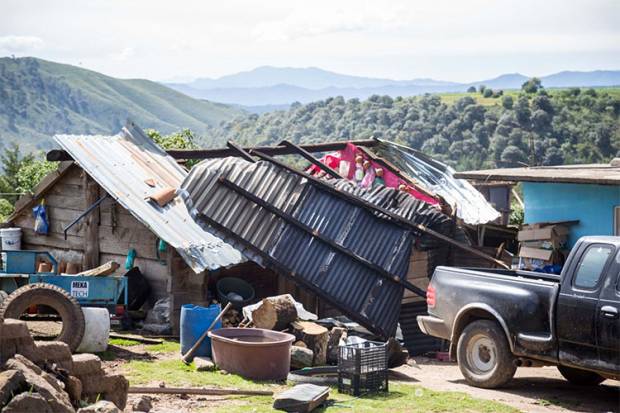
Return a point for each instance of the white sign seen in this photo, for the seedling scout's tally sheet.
(79, 289)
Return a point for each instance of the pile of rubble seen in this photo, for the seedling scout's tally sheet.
(46, 377)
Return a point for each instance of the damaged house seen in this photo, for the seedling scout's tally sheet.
(337, 248)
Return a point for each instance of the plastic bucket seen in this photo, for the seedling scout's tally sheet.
(194, 322)
(11, 239)
(96, 331)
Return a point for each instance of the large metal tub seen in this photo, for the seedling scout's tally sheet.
(254, 353)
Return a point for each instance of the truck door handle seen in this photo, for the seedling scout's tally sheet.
(609, 311)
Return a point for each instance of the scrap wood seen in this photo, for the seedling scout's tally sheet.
(198, 391)
(136, 337)
(102, 270)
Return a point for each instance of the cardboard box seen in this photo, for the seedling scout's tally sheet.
(550, 232)
(535, 253)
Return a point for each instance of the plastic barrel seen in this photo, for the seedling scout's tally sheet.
(96, 331)
(194, 322)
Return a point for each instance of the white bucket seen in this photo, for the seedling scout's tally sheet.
(97, 331)
(11, 239)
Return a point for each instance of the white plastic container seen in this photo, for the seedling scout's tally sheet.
(11, 239)
(97, 331)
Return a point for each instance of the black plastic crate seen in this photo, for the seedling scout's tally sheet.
(363, 368)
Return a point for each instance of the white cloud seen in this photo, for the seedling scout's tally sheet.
(20, 44)
(124, 55)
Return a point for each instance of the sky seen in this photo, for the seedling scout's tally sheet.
(456, 40)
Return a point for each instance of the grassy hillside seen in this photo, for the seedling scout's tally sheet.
(466, 130)
(39, 99)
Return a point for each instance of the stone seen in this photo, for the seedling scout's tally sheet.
(301, 357)
(85, 364)
(204, 364)
(143, 404)
(107, 387)
(11, 382)
(43, 383)
(14, 329)
(53, 352)
(102, 406)
(28, 403)
(73, 387)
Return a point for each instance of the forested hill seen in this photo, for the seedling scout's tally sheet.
(39, 99)
(470, 132)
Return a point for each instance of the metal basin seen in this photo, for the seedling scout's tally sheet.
(254, 353)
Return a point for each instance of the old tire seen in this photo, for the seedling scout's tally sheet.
(484, 355)
(3, 296)
(581, 377)
(58, 299)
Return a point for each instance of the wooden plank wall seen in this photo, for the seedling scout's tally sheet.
(118, 231)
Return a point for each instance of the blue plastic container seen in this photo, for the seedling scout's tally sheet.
(194, 322)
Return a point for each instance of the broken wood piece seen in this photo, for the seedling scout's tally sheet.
(163, 196)
(336, 335)
(106, 269)
(301, 357)
(137, 337)
(198, 391)
(275, 313)
(302, 398)
(315, 337)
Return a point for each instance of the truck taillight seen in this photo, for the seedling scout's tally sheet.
(430, 296)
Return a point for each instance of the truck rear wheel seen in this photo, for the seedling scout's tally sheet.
(581, 377)
(484, 355)
(68, 309)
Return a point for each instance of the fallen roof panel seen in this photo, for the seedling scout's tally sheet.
(353, 258)
(121, 165)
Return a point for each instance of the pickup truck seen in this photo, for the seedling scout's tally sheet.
(497, 320)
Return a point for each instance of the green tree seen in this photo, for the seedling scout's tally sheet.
(507, 102)
(487, 93)
(471, 89)
(531, 85)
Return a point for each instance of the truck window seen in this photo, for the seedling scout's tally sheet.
(591, 266)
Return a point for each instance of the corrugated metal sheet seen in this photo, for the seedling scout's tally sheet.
(471, 206)
(354, 287)
(416, 342)
(121, 164)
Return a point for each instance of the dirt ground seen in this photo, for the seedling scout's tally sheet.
(532, 390)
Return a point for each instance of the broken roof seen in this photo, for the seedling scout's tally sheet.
(601, 174)
(325, 236)
(122, 165)
(441, 179)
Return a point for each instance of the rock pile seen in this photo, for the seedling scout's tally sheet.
(46, 377)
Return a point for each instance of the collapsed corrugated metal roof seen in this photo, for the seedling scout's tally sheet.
(305, 229)
(439, 178)
(121, 165)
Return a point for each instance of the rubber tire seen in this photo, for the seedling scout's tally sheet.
(3, 296)
(581, 377)
(68, 309)
(505, 366)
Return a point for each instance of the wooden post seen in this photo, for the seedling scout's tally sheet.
(91, 234)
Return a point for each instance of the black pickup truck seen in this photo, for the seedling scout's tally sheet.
(498, 320)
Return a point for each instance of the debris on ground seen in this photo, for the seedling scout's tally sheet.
(45, 376)
(204, 364)
(143, 404)
(302, 398)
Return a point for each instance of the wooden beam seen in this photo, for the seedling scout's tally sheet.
(91, 235)
(61, 155)
(242, 152)
(312, 159)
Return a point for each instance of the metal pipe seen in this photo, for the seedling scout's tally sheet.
(85, 213)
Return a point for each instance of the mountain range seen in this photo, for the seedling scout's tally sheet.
(281, 86)
(39, 98)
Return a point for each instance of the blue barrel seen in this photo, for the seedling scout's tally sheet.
(194, 322)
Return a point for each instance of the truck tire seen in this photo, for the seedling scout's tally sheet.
(484, 355)
(3, 296)
(581, 377)
(54, 297)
